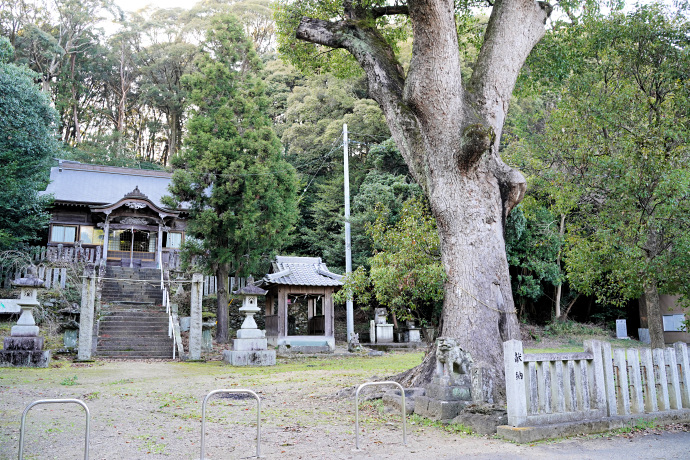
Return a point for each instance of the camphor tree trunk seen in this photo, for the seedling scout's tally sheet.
(654, 319)
(448, 132)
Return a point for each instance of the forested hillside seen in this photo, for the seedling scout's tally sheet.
(598, 124)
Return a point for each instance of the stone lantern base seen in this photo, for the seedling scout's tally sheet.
(24, 352)
(250, 358)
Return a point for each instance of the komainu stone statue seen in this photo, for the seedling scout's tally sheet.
(451, 361)
(450, 390)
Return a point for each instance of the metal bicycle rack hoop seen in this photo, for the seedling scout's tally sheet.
(402, 392)
(55, 401)
(258, 419)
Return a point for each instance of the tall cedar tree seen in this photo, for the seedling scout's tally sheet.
(240, 192)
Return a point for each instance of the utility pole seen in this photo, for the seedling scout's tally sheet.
(348, 244)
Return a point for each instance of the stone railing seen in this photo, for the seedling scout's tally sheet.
(548, 388)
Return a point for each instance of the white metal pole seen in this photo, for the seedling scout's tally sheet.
(348, 243)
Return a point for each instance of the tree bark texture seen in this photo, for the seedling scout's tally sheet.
(222, 272)
(449, 133)
(654, 319)
(653, 246)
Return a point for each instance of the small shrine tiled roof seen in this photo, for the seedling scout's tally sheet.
(301, 271)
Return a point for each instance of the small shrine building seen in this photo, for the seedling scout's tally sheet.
(299, 304)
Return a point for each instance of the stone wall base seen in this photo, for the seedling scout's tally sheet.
(392, 399)
(435, 409)
(15, 358)
(560, 430)
(250, 358)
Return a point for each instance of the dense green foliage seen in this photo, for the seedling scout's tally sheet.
(27, 144)
(406, 273)
(598, 124)
(613, 154)
(532, 245)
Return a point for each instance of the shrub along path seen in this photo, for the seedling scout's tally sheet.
(150, 409)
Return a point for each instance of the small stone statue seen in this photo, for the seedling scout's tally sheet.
(353, 345)
(451, 360)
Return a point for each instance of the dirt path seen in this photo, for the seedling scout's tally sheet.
(153, 409)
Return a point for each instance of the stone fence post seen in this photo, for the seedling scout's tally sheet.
(195, 330)
(516, 394)
(86, 318)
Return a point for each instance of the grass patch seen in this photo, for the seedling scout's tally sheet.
(638, 425)
(70, 381)
(453, 428)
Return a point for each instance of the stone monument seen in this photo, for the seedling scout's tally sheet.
(250, 348)
(621, 329)
(450, 390)
(24, 348)
(384, 331)
(412, 334)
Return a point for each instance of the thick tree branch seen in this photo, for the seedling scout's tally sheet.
(434, 86)
(377, 12)
(515, 26)
(320, 32)
(498, 65)
(385, 77)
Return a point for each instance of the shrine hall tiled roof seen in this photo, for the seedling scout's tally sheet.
(78, 183)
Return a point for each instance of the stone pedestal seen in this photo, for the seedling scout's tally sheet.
(413, 335)
(384, 333)
(444, 400)
(250, 358)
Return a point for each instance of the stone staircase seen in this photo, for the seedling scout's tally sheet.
(136, 285)
(133, 324)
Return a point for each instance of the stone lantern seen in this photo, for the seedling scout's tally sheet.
(24, 348)
(250, 348)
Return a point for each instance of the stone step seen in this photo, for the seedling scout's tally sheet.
(127, 330)
(135, 355)
(134, 340)
(124, 329)
(135, 314)
(157, 347)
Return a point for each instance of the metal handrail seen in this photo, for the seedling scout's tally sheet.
(258, 419)
(402, 392)
(55, 401)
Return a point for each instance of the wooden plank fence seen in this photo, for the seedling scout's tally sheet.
(548, 388)
(234, 283)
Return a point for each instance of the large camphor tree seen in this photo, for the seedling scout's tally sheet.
(448, 130)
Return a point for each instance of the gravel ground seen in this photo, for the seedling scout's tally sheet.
(153, 409)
